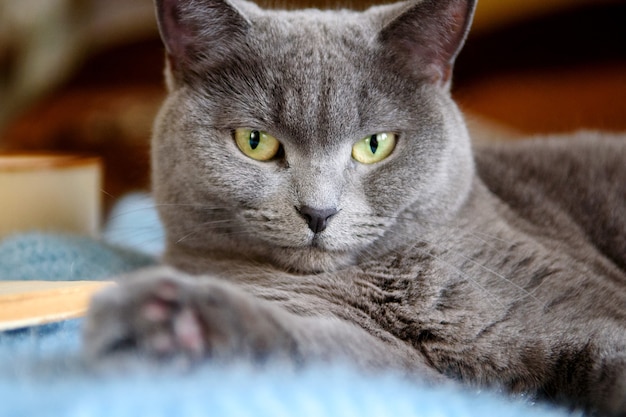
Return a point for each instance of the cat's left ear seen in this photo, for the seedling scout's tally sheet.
(428, 35)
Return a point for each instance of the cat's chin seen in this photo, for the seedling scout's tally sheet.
(312, 259)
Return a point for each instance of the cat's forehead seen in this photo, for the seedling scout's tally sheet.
(302, 74)
(311, 35)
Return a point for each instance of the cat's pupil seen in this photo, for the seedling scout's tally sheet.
(255, 138)
(373, 144)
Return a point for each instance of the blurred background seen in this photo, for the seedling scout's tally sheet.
(86, 75)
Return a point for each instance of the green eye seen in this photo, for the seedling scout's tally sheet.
(256, 144)
(374, 148)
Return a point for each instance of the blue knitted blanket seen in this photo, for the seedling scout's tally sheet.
(42, 372)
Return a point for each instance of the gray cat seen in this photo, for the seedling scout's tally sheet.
(323, 203)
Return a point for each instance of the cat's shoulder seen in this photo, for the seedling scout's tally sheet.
(569, 182)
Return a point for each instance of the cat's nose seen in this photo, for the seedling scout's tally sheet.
(317, 219)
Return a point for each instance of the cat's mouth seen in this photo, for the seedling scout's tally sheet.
(317, 243)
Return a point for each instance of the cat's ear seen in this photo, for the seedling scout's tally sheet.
(427, 35)
(199, 33)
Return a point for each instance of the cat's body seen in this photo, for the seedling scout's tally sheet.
(503, 269)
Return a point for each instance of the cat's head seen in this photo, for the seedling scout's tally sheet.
(307, 138)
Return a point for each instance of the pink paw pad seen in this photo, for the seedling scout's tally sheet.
(167, 291)
(188, 332)
(156, 311)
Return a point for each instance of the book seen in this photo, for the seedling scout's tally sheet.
(31, 303)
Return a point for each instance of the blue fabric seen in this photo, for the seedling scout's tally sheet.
(42, 372)
(48, 257)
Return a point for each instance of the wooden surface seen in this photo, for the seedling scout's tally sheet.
(29, 303)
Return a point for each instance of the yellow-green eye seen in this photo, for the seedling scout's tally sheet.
(256, 144)
(374, 148)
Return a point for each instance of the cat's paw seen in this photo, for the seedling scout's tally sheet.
(161, 314)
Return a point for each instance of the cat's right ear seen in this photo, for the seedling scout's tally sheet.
(198, 34)
(427, 35)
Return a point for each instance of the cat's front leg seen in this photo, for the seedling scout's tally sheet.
(163, 314)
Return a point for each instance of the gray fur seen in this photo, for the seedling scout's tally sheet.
(499, 266)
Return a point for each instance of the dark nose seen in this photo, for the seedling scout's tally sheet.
(316, 219)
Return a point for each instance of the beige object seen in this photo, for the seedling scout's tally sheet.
(30, 303)
(59, 193)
